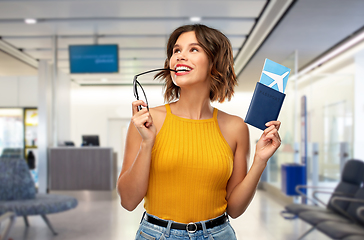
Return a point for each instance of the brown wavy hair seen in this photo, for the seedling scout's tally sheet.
(218, 49)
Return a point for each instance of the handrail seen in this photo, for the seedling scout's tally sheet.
(333, 194)
(342, 211)
(359, 213)
(303, 195)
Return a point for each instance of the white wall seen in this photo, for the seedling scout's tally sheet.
(22, 91)
(19, 91)
(91, 107)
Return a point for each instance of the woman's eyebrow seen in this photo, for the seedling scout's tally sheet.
(191, 44)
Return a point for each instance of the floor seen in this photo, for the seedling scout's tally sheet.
(107, 220)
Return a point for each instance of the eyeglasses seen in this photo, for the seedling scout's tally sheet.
(136, 83)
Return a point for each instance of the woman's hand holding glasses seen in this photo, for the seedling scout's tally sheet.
(143, 121)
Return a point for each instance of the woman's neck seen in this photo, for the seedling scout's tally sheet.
(193, 106)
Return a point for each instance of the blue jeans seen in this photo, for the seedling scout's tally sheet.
(149, 231)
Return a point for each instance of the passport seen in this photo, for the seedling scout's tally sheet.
(265, 106)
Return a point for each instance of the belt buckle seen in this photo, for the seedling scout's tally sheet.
(191, 224)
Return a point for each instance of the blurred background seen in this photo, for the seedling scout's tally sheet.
(47, 99)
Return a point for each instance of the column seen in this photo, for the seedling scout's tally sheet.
(358, 152)
(45, 122)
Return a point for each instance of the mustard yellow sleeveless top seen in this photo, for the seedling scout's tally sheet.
(191, 165)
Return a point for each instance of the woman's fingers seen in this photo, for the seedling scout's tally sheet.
(137, 103)
(276, 124)
(273, 135)
(142, 117)
(268, 129)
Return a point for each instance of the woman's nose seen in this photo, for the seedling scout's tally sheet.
(180, 56)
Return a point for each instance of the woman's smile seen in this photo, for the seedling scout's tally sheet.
(183, 69)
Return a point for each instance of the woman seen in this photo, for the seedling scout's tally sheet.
(187, 159)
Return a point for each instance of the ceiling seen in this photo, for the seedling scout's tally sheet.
(310, 27)
(140, 28)
(257, 29)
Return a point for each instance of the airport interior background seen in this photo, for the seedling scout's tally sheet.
(48, 104)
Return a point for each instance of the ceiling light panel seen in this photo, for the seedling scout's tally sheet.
(30, 21)
(146, 27)
(231, 26)
(146, 63)
(142, 53)
(64, 42)
(195, 19)
(134, 42)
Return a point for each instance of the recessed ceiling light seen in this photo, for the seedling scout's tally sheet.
(195, 19)
(30, 21)
(104, 80)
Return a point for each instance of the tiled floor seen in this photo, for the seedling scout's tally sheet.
(107, 220)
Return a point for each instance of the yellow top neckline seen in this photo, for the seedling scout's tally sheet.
(214, 117)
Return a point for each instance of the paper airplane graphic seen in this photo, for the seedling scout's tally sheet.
(275, 75)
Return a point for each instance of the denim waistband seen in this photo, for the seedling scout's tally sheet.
(168, 230)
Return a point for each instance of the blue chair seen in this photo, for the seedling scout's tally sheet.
(18, 193)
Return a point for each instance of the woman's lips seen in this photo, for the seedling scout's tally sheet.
(182, 69)
(180, 73)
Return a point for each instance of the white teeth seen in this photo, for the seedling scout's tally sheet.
(183, 68)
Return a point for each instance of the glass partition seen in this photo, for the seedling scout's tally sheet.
(330, 122)
(329, 128)
(329, 102)
(11, 132)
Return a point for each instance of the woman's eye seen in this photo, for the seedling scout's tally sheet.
(194, 50)
(176, 51)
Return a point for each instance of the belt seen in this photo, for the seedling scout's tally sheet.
(190, 227)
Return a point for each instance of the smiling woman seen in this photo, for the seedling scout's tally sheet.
(186, 159)
(216, 47)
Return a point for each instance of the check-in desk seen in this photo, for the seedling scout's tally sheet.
(82, 168)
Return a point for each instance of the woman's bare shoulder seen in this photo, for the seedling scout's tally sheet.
(233, 128)
(158, 114)
(229, 120)
(158, 110)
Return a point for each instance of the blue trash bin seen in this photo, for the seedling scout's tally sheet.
(293, 174)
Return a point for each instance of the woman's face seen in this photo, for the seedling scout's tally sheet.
(189, 60)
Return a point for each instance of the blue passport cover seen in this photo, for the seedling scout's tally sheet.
(265, 106)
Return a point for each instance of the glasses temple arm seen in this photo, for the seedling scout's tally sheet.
(154, 70)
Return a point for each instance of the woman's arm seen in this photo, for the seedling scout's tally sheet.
(133, 180)
(242, 186)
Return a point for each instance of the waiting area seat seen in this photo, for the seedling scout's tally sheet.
(355, 220)
(342, 217)
(18, 193)
(12, 153)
